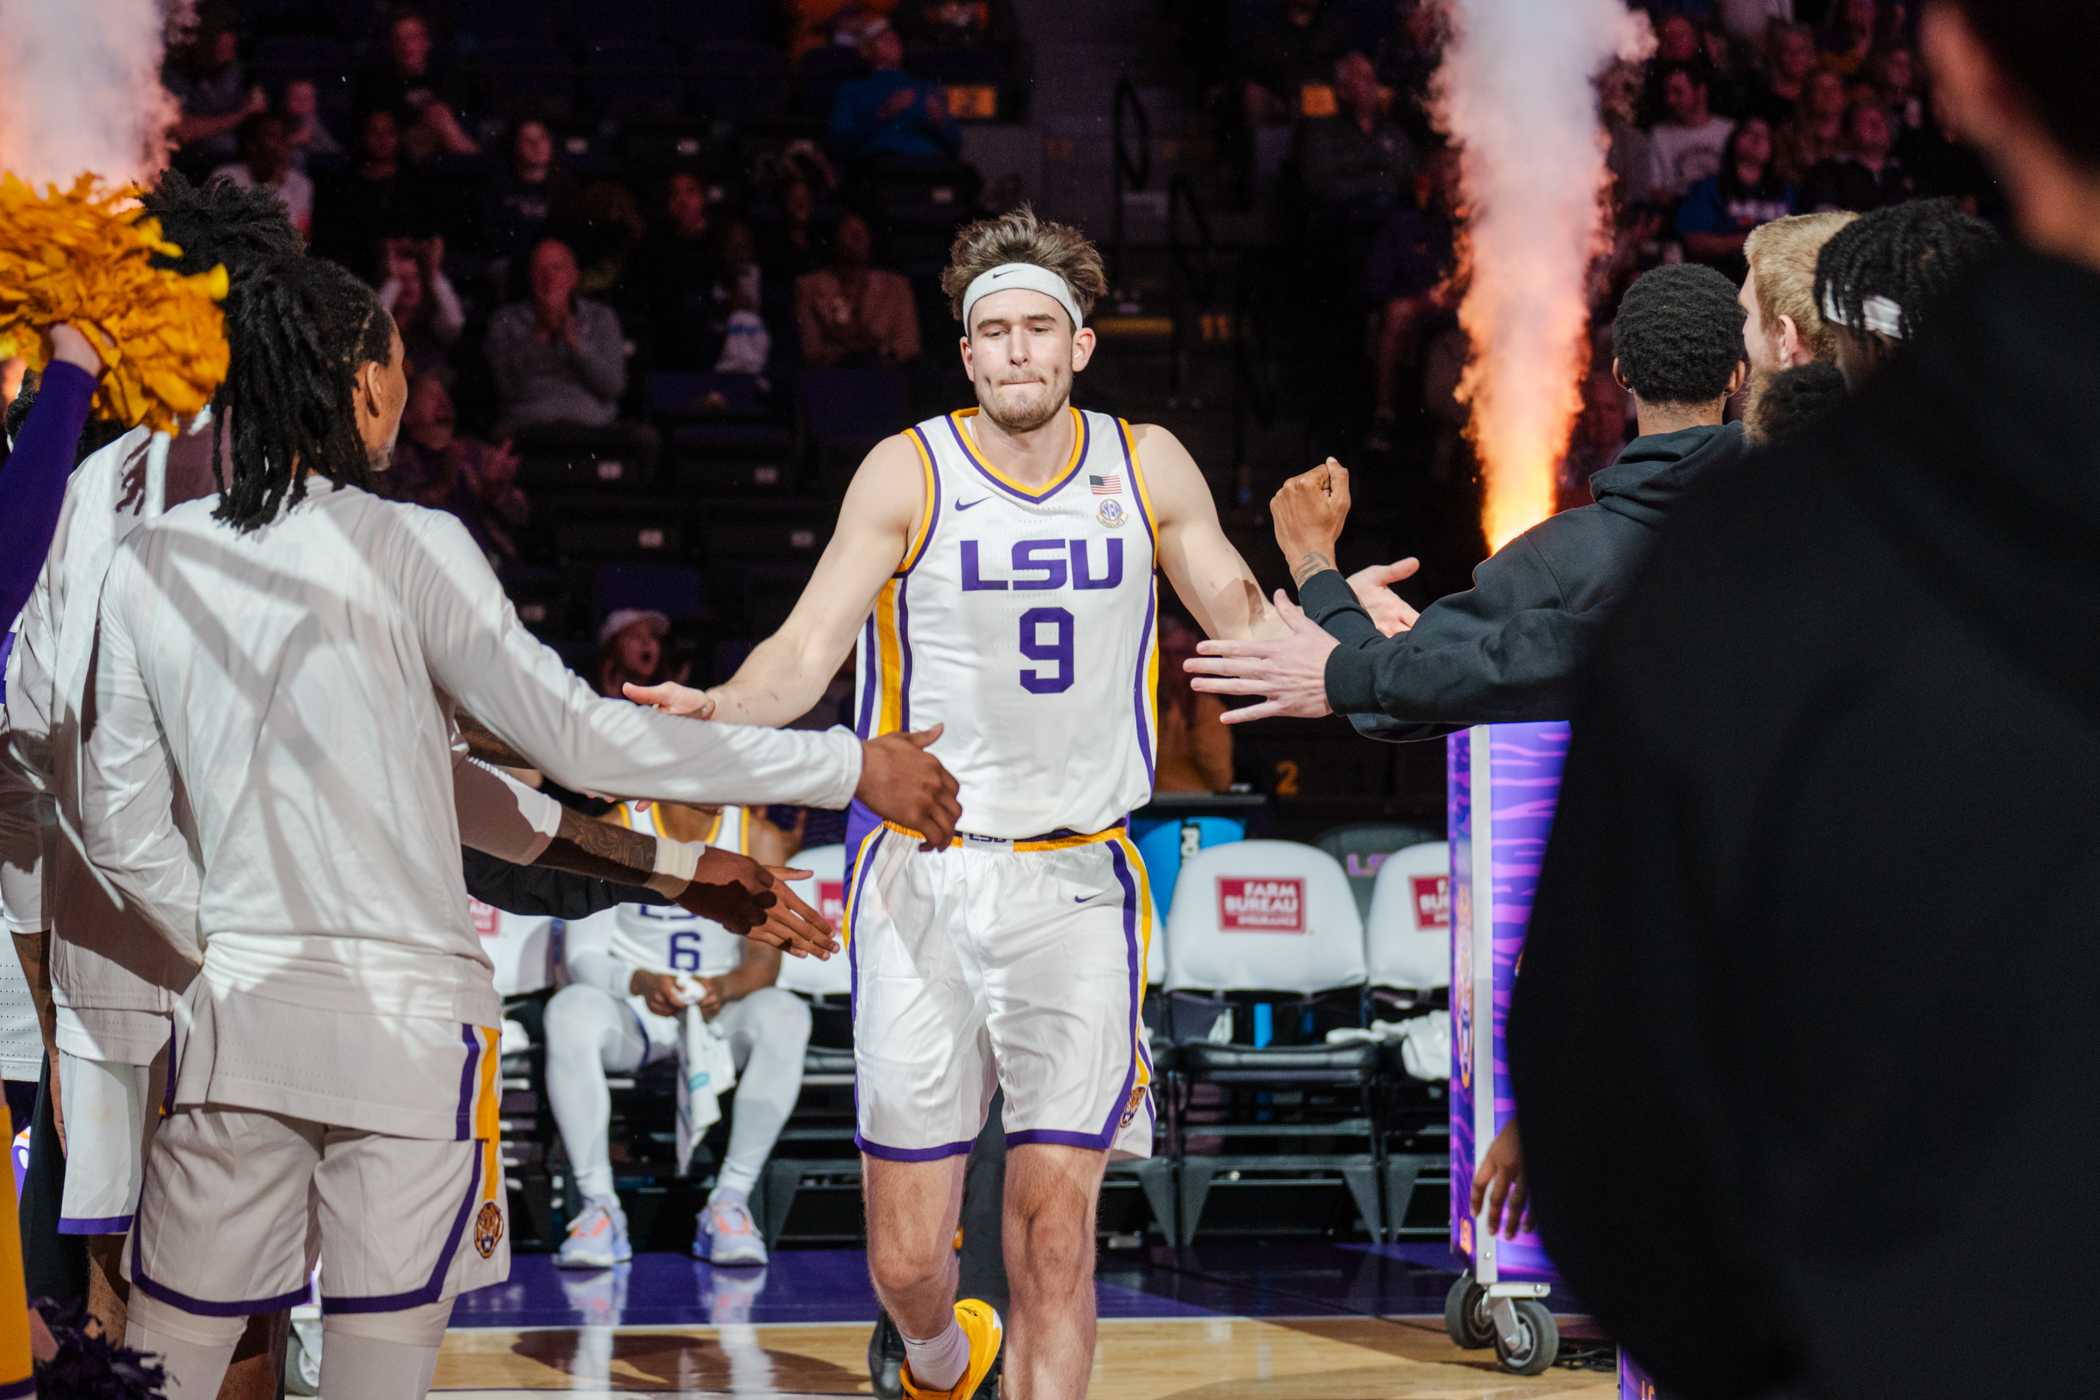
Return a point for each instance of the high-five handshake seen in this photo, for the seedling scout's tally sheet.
(1290, 672)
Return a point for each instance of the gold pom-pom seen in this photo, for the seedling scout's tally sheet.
(84, 257)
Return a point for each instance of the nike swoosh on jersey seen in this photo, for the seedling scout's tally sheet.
(978, 502)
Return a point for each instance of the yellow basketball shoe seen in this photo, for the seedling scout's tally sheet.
(980, 1379)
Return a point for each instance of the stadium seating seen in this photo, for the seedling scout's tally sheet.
(1265, 943)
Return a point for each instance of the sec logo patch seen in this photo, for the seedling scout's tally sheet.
(488, 1229)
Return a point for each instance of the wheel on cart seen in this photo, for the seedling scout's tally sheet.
(1538, 1340)
(1466, 1316)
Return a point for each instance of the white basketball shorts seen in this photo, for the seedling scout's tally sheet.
(238, 1205)
(111, 1110)
(999, 964)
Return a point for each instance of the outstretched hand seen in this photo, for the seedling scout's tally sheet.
(1289, 672)
(672, 698)
(755, 900)
(902, 782)
(1390, 613)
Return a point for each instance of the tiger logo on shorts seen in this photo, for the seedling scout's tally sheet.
(488, 1229)
(1137, 1096)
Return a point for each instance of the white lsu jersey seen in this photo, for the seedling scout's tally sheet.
(1025, 622)
(666, 938)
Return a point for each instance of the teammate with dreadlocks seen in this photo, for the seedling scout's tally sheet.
(286, 658)
(113, 986)
(1879, 278)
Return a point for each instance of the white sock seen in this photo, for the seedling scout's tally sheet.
(940, 1363)
(727, 1196)
(768, 1032)
(195, 1350)
(391, 1354)
(588, 1030)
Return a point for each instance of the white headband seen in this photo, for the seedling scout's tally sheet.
(1877, 314)
(1031, 276)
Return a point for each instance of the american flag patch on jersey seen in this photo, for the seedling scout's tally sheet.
(1106, 485)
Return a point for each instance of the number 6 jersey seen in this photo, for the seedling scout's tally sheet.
(1024, 621)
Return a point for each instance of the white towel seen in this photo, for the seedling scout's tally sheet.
(706, 1071)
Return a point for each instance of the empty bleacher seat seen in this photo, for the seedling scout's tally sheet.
(1408, 936)
(1270, 924)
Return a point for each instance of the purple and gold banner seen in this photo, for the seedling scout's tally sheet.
(1503, 783)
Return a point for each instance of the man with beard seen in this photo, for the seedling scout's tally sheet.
(997, 566)
(1783, 327)
(1815, 921)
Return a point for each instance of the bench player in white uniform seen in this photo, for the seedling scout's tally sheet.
(996, 566)
(269, 768)
(621, 1013)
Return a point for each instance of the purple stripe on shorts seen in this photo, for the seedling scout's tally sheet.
(463, 1128)
(914, 1154)
(856, 881)
(27, 1385)
(1137, 985)
(1053, 1137)
(93, 1225)
(428, 1293)
(167, 1098)
(201, 1307)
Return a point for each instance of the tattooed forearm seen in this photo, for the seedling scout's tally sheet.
(600, 850)
(485, 746)
(1309, 563)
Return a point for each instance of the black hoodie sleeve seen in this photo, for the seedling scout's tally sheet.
(1506, 649)
(539, 890)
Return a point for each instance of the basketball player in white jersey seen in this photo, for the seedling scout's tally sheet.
(268, 775)
(621, 1012)
(996, 565)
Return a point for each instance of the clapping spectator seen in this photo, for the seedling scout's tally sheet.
(214, 92)
(409, 83)
(1685, 147)
(890, 116)
(1357, 160)
(1868, 176)
(425, 308)
(1296, 46)
(435, 467)
(853, 312)
(560, 363)
(1719, 212)
(266, 161)
(530, 199)
(310, 137)
(1816, 132)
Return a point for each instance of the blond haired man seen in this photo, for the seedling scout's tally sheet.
(1784, 327)
(996, 565)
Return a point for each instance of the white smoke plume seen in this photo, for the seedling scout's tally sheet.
(80, 90)
(1516, 92)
